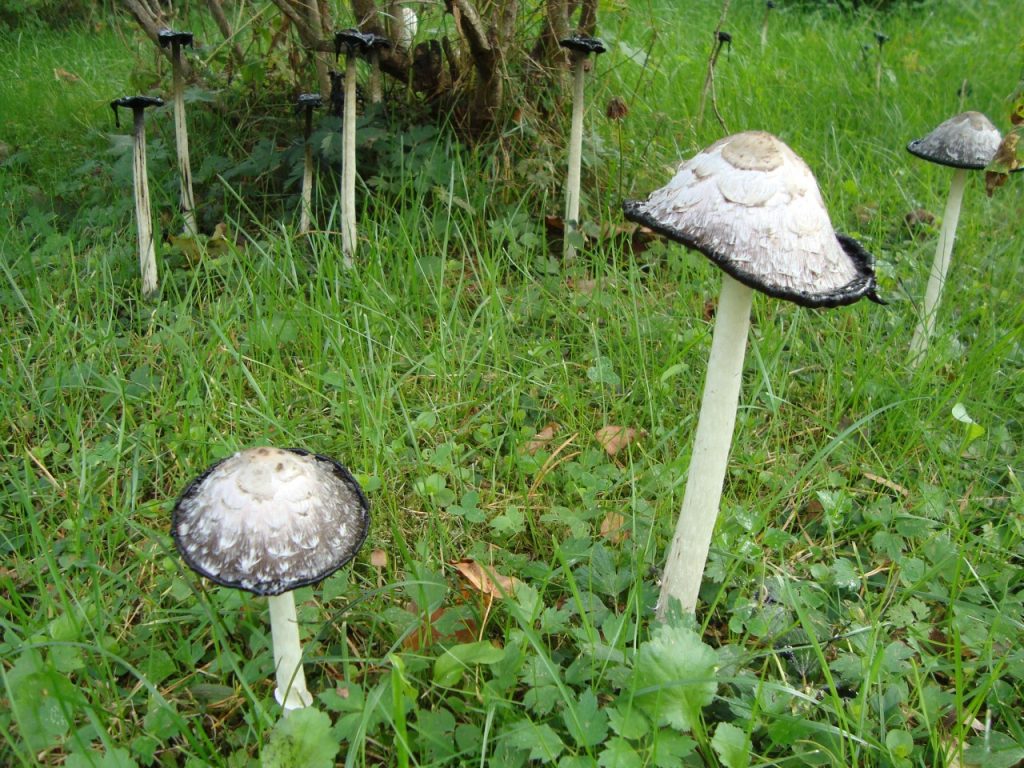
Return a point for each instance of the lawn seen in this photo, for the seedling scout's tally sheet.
(521, 427)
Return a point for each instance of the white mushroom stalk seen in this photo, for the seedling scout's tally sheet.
(753, 207)
(352, 42)
(965, 142)
(188, 203)
(269, 521)
(579, 49)
(768, 7)
(140, 186)
(306, 103)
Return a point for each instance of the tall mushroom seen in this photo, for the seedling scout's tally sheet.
(965, 142)
(176, 40)
(579, 47)
(352, 42)
(752, 206)
(140, 184)
(269, 521)
(305, 104)
(769, 6)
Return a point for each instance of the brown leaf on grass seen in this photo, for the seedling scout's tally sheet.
(427, 633)
(485, 579)
(542, 438)
(887, 483)
(613, 438)
(613, 528)
(64, 76)
(554, 225)
(582, 285)
(1003, 163)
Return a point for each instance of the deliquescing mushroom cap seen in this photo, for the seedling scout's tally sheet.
(968, 140)
(753, 207)
(308, 101)
(583, 44)
(169, 36)
(269, 520)
(354, 41)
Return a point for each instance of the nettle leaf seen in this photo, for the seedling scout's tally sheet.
(304, 738)
(732, 746)
(675, 676)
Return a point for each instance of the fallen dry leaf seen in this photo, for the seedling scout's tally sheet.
(613, 528)
(613, 439)
(427, 634)
(64, 76)
(485, 579)
(542, 438)
(581, 285)
(887, 483)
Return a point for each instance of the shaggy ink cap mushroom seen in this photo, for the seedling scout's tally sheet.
(582, 44)
(308, 101)
(268, 520)
(752, 206)
(134, 103)
(968, 140)
(354, 41)
(168, 37)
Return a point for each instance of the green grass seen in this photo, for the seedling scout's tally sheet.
(863, 600)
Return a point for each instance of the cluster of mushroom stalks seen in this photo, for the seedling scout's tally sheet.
(175, 40)
(753, 207)
(580, 48)
(140, 185)
(965, 142)
(354, 44)
(268, 521)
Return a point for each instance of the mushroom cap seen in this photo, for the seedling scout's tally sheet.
(583, 44)
(169, 36)
(968, 140)
(269, 520)
(137, 102)
(308, 101)
(355, 41)
(752, 206)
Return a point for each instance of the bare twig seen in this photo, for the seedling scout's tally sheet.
(709, 79)
(221, 19)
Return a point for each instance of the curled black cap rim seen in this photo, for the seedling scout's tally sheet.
(583, 44)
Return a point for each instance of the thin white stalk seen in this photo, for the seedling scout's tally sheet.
(688, 553)
(940, 266)
(147, 247)
(348, 164)
(307, 177)
(291, 691)
(376, 92)
(572, 184)
(188, 202)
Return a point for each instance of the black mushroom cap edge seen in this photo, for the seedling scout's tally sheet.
(169, 36)
(343, 474)
(354, 41)
(583, 44)
(857, 289)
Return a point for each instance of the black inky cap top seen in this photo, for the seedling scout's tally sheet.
(134, 103)
(968, 140)
(354, 41)
(583, 44)
(269, 520)
(308, 101)
(168, 37)
(753, 207)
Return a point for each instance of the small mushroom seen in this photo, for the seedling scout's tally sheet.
(269, 521)
(769, 6)
(579, 47)
(352, 42)
(880, 38)
(966, 142)
(176, 40)
(752, 206)
(305, 104)
(140, 184)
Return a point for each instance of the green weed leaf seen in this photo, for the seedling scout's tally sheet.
(542, 742)
(675, 676)
(303, 737)
(731, 745)
(449, 668)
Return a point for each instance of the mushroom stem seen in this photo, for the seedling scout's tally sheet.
(572, 184)
(147, 246)
(291, 691)
(188, 202)
(943, 255)
(348, 167)
(307, 176)
(692, 540)
(376, 92)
